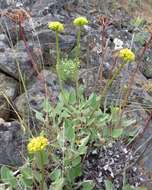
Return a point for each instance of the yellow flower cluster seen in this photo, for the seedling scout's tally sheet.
(37, 144)
(80, 21)
(126, 54)
(59, 27)
(56, 26)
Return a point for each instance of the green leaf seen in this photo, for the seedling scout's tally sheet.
(116, 133)
(94, 134)
(104, 119)
(41, 158)
(74, 172)
(76, 161)
(84, 141)
(39, 116)
(47, 106)
(55, 175)
(108, 185)
(59, 107)
(8, 177)
(115, 115)
(61, 139)
(61, 99)
(72, 98)
(82, 150)
(81, 93)
(88, 185)
(37, 176)
(141, 37)
(57, 185)
(106, 132)
(26, 172)
(69, 131)
(128, 187)
(66, 96)
(91, 121)
(93, 101)
(26, 182)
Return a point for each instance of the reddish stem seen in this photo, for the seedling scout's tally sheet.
(22, 36)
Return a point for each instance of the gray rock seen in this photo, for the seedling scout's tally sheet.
(12, 146)
(4, 43)
(51, 6)
(35, 96)
(46, 38)
(11, 60)
(145, 148)
(8, 88)
(4, 4)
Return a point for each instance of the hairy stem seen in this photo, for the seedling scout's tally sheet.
(58, 61)
(77, 62)
(110, 81)
(42, 172)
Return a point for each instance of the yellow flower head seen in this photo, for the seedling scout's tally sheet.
(37, 144)
(126, 54)
(80, 21)
(56, 26)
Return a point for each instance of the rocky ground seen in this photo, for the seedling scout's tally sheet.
(15, 59)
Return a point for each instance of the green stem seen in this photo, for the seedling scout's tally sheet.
(77, 62)
(58, 61)
(42, 172)
(58, 68)
(110, 81)
(108, 85)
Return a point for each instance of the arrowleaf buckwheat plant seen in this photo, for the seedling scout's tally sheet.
(71, 126)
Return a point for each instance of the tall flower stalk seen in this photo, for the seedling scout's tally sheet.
(79, 22)
(126, 55)
(57, 27)
(77, 61)
(110, 81)
(58, 60)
